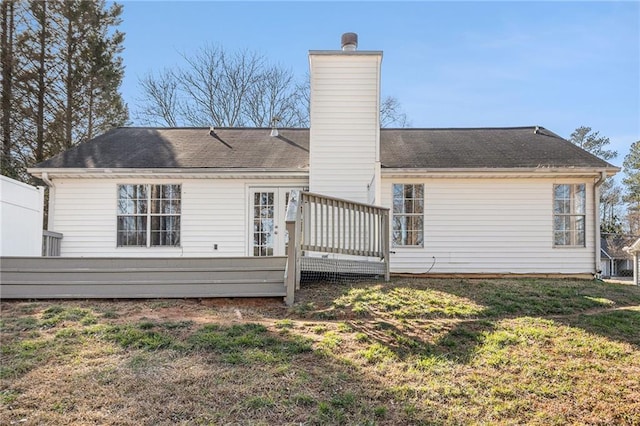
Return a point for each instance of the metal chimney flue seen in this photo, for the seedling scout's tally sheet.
(349, 42)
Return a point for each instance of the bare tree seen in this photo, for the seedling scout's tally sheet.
(215, 87)
(209, 96)
(218, 88)
(391, 113)
(159, 102)
(610, 206)
(273, 96)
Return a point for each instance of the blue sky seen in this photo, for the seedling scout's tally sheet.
(450, 64)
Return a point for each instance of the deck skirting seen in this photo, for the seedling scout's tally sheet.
(109, 277)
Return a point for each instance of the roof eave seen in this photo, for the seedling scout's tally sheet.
(499, 172)
(346, 52)
(169, 172)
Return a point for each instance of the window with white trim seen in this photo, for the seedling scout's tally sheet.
(569, 215)
(149, 215)
(408, 215)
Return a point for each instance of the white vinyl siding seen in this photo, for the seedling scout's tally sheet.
(344, 132)
(214, 213)
(470, 225)
(490, 226)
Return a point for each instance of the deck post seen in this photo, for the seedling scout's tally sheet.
(290, 271)
(292, 220)
(51, 243)
(302, 211)
(385, 243)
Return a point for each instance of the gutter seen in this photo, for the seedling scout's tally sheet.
(170, 172)
(474, 172)
(596, 220)
(45, 178)
(52, 197)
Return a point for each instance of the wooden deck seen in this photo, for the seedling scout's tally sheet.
(64, 277)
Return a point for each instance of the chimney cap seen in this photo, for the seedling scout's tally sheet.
(349, 41)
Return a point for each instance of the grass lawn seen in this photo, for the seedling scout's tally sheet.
(412, 351)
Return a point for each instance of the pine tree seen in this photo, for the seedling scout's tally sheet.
(592, 142)
(7, 12)
(106, 107)
(34, 97)
(610, 201)
(61, 70)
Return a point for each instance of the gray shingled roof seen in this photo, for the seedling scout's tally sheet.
(137, 147)
(613, 245)
(131, 147)
(512, 147)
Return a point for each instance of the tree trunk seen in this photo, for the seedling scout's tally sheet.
(41, 90)
(7, 59)
(68, 125)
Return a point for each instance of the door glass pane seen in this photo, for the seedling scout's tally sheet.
(263, 223)
(286, 233)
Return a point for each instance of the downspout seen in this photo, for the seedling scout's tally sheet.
(596, 207)
(52, 193)
(378, 164)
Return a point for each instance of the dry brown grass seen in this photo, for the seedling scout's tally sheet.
(409, 352)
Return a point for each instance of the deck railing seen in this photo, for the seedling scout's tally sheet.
(51, 243)
(322, 224)
(333, 225)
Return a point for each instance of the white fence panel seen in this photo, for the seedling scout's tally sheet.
(21, 218)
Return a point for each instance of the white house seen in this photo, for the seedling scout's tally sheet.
(481, 200)
(634, 250)
(21, 218)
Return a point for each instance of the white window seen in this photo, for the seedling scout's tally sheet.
(149, 215)
(569, 215)
(408, 215)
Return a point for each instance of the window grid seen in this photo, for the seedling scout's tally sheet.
(148, 215)
(263, 223)
(569, 209)
(408, 215)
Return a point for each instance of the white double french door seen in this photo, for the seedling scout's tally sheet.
(268, 207)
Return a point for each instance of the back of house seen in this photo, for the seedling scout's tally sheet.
(462, 201)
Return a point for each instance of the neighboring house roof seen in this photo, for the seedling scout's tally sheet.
(633, 248)
(135, 147)
(613, 246)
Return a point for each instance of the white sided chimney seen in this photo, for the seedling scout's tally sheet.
(344, 157)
